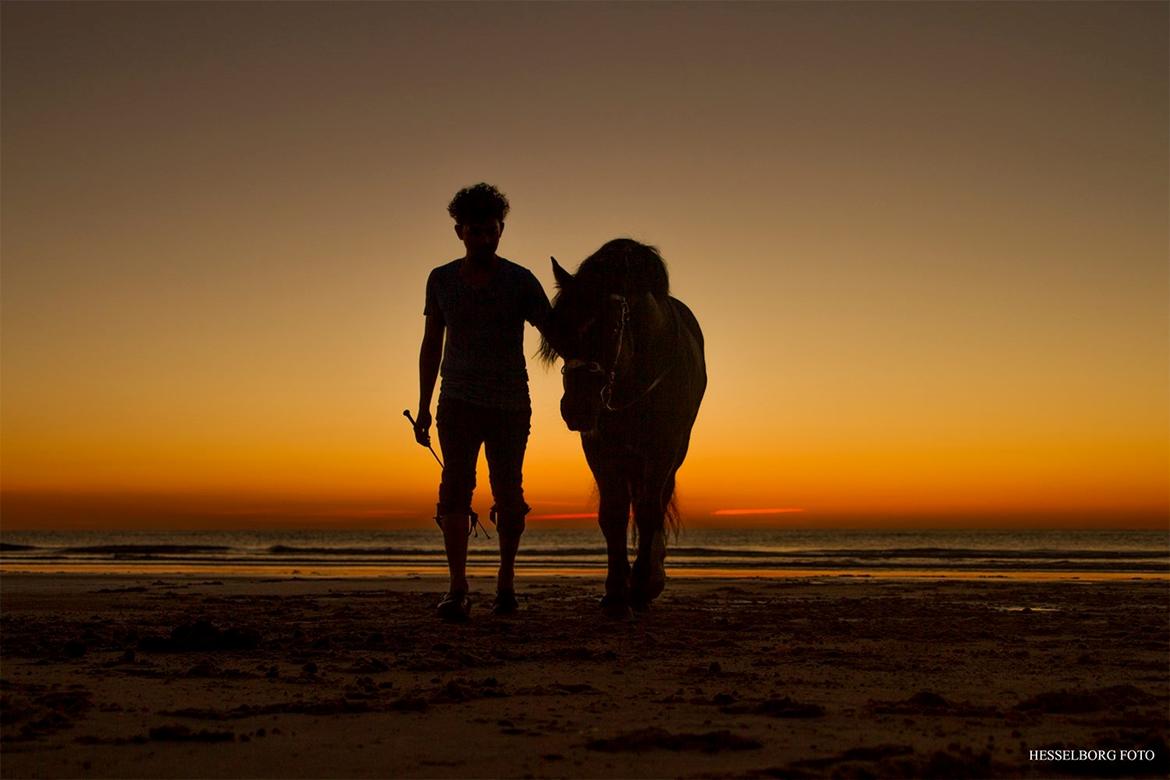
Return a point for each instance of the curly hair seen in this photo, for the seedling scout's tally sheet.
(478, 202)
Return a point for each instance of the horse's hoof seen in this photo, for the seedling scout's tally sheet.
(645, 592)
(616, 609)
(645, 587)
(620, 613)
(648, 578)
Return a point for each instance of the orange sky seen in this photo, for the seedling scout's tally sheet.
(928, 245)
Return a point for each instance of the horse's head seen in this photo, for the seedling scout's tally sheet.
(592, 323)
(585, 328)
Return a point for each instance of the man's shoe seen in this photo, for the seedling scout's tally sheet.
(505, 603)
(455, 608)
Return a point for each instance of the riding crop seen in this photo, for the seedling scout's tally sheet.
(413, 424)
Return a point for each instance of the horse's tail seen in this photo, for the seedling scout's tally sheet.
(673, 520)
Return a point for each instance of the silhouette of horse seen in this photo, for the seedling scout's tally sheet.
(634, 376)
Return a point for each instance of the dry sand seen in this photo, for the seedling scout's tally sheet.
(116, 676)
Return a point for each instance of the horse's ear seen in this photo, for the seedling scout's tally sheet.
(563, 277)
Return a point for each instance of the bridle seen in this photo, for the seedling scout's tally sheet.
(593, 367)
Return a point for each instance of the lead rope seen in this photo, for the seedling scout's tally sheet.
(476, 526)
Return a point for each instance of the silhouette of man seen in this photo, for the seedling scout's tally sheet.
(480, 302)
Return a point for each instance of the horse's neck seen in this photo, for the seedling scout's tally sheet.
(659, 332)
(661, 319)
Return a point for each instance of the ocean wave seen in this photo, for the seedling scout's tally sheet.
(940, 553)
(929, 552)
(145, 549)
(285, 549)
(855, 556)
(1136, 552)
(673, 563)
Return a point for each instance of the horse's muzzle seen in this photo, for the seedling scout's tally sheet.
(578, 424)
(578, 421)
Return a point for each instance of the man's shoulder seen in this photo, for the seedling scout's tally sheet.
(444, 271)
(515, 269)
(451, 266)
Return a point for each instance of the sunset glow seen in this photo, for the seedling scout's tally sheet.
(741, 512)
(927, 244)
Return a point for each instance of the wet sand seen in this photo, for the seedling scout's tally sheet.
(190, 676)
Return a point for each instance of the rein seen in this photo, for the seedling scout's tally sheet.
(593, 367)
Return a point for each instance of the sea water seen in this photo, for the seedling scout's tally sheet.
(695, 552)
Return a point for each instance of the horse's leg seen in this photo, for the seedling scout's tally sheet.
(613, 516)
(649, 573)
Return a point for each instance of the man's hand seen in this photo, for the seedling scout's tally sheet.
(422, 427)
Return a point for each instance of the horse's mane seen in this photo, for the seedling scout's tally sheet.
(622, 266)
(626, 267)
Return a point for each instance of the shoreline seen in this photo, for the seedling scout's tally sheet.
(389, 572)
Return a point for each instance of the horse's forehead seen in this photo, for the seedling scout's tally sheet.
(574, 305)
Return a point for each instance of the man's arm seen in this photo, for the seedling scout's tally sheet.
(538, 307)
(429, 357)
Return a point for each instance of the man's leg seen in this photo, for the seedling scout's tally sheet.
(459, 438)
(455, 528)
(504, 446)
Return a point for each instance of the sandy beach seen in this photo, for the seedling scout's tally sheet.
(142, 676)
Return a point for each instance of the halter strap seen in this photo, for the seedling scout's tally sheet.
(606, 396)
(575, 363)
